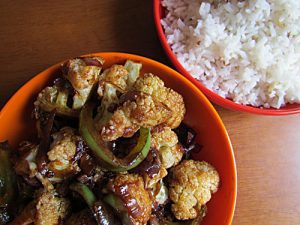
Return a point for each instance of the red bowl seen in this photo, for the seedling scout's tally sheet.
(16, 125)
(159, 13)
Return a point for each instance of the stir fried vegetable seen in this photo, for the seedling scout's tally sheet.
(70, 93)
(90, 135)
(113, 139)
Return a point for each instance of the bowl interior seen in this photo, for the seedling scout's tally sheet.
(159, 13)
(16, 125)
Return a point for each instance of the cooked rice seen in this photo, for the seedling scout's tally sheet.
(247, 51)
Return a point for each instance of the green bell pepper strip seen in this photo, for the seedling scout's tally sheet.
(98, 146)
(84, 192)
(101, 211)
(117, 204)
(8, 183)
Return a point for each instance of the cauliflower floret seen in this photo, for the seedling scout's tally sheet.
(116, 75)
(150, 84)
(122, 77)
(191, 185)
(46, 209)
(170, 156)
(51, 209)
(166, 141)
(150, 182)
(62, 152)
(127, 119)
(61, 156)
(154, 86)
(130, 189)
(163, 136)
(113, 81)
(83, 73)
(149, 103)
(46, 97)
(54, 98)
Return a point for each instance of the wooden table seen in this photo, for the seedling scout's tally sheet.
(37, 34)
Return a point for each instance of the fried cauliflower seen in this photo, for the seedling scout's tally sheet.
(154, 86)
(113, 81)
(121, 77)
(130, 188)
(83, 73)
(61, 158)
(54, 98)
(128, 118)
(46, 209)
(116, 75)
(62, 152)
(80, 76)
(51, 209)
(166, 142)
(152, 104)
(191, 185)
(150, 182)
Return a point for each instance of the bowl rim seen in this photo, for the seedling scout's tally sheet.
(181, 78)
(214, 97)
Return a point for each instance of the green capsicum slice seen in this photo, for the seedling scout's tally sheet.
(100, 149)
(101, 211)
(117, 204)
(84, 192)
(8, 183)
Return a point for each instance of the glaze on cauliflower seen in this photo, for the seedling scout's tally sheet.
(150, 182)
(54, 98)
(116, 75)
(152, 104)
(80, 76)
(130, 189)
(62, 151)
(83, 73)
(113, 81)
(166, 142)
(50, 209)
(121, 77)
(154, 86)
(128, 118)
(191, 185)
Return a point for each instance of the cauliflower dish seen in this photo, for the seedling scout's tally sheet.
(111, 148)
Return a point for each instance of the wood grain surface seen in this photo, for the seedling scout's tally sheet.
(36, 34)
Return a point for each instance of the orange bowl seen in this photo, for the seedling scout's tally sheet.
(159, 13)
(16, 125)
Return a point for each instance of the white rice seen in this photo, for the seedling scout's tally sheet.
(247, 51)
